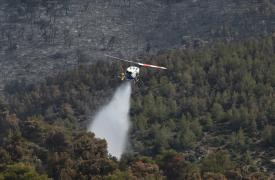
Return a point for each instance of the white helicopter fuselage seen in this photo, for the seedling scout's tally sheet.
(132, 72)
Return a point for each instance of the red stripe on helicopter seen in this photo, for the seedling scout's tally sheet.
(149, 65)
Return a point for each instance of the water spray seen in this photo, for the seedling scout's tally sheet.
(112, 121)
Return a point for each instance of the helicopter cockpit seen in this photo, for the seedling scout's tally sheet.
(132, 72)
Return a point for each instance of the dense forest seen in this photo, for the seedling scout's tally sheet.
(211, 115)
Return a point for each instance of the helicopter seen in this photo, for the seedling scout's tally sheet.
(132, 72)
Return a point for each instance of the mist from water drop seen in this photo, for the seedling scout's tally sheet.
(112, 121)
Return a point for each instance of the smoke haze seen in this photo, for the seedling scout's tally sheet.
(112, 121)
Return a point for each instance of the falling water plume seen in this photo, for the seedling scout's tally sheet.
(112, 121)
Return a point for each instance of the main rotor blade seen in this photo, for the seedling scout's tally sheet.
(141, 64)
(152, 66)
(121, 59)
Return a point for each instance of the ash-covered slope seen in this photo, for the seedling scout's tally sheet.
(42, 37)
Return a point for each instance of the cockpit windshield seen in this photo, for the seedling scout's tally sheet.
(128, 75)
